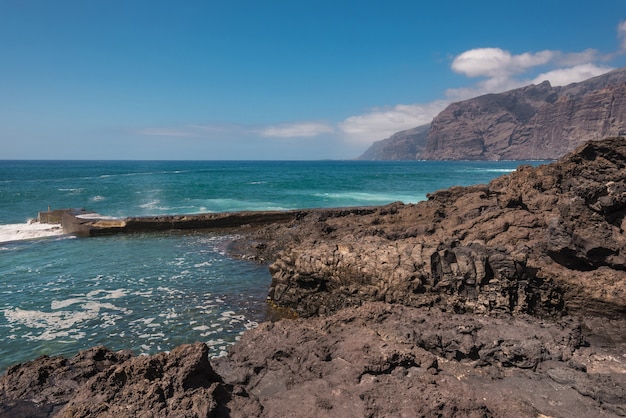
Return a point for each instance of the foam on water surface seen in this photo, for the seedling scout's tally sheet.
(59, 323)
(162, 291)
(28, 230)
(370, 198)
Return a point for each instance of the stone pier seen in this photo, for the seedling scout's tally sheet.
(85, 223)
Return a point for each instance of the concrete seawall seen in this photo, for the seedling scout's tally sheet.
(85, 223)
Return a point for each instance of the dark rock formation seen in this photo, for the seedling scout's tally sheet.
(40, 387)
(541, 241)
(382, 360)
(498, 300)
(534, 122)
(546, 241)
(98, 382)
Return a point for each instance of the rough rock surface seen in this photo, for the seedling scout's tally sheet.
(99, 382)
(543, 241)
(377, 360)
(383, 360)
(498, 300)
(533, 122)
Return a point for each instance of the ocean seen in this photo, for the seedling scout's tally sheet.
(150, 292)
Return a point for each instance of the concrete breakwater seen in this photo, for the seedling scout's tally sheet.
(85, 223)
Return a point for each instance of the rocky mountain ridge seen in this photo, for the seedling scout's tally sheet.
(536, 122)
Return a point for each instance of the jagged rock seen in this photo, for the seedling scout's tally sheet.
(533, 122)
(541, 241)
(98, 382)
(375, 360)
(390, 360)
(40, 386)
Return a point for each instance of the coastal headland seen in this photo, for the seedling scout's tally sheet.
(497, 300)
(533, 122)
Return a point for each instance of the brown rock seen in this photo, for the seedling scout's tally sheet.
(102, 383)
(542, 241)
(392, 360)
(40, 386)
(403, 145)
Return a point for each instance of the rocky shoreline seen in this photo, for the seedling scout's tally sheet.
(498, 300)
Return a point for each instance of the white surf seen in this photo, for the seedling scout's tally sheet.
(28, 231)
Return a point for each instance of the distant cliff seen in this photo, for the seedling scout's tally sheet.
(532, 122)
(404, 145)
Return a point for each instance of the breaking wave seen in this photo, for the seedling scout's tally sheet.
(28, 230)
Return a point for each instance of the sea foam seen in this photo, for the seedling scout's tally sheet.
(30, 230)
(64, 323)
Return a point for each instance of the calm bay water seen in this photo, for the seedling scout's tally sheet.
(151, 292)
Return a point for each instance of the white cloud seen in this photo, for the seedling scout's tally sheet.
(504, 71)
(209, 131)
(381, 123)
(297, 129)
(491, 85)
(565, 76)
(496, 62)
(230, 131)
(571, 59)
(500, 68)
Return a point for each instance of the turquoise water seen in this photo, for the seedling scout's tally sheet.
(151, 292)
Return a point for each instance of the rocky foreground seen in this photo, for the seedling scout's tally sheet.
(498, 300)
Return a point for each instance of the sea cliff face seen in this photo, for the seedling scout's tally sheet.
(404, 145)
(497, 300)
(534, 122)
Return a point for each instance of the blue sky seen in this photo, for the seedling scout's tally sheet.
(273, 79)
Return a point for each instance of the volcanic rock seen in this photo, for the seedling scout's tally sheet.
(543, 241)
(99, 382)
(383, 360)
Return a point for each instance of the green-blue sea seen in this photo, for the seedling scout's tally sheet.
(150, 292)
